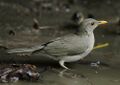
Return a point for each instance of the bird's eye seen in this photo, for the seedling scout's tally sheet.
(92, 23)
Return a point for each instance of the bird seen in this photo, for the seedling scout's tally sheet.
(68, 48)
(72, 25)
(77, 17)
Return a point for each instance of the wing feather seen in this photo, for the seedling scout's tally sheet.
(67, 45)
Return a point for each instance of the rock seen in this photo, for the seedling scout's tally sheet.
(15, 72)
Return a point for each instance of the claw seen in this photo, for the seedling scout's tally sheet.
(61, 62)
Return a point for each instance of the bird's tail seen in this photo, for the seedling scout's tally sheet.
(25, 50)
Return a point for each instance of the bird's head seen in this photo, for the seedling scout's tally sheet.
(90, 24)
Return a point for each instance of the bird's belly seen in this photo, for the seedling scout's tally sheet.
(76, 57)
(72, 58)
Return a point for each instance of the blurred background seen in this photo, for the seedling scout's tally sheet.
(25, 23)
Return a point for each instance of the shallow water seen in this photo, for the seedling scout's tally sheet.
(80, 74)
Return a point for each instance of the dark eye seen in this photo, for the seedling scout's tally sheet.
(92, 23)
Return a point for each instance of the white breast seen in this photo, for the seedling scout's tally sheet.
(73, 58)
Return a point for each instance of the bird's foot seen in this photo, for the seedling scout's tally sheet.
(70, 74)
(61, 73)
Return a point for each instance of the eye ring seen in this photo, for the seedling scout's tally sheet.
(92, 23)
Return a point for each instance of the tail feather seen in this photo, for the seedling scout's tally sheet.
(25, 50)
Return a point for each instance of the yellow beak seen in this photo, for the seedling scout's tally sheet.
(102, 22)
